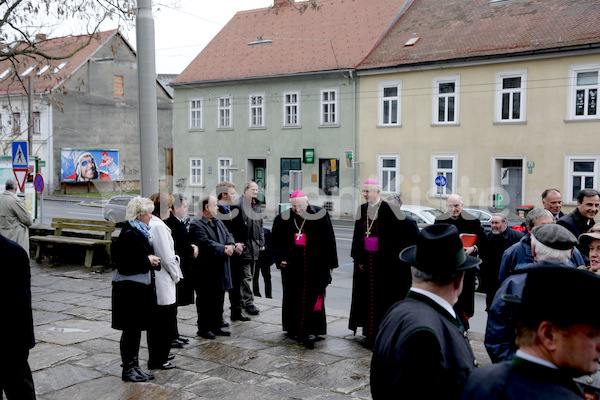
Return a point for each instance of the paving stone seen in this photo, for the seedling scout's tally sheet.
(299, 352)
(221, 389)
(327, 377)
(44, 355)
(98, 360)
(41, 318)
(113, 388)
(62, 376)
(50, 306)
(72, 331)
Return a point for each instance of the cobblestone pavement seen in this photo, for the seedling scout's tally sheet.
(77, 352)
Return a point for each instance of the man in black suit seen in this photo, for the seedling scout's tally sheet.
(212, 274)
(422, 350)
(187, 252)
(552, 201)
(380, 279)
(16, 337)
(469, 227)
(558, 335)
(582, 218)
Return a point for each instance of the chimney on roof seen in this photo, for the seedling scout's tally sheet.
(40, 37)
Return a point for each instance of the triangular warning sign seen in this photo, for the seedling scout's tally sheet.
(20, 176)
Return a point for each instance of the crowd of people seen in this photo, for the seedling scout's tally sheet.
(412, 294)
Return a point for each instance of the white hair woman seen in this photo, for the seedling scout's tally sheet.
(133, 298)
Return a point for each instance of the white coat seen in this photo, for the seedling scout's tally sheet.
(170, 272)
(14, 219)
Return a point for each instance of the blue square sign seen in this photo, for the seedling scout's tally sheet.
(20, 155)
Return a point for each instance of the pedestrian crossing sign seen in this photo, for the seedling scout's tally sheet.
(20, 155)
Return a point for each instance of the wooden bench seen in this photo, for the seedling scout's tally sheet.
(75, 227)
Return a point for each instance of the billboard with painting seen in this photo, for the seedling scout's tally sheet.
(83, 165)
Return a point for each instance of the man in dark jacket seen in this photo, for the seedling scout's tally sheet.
(250, 210)
(558, 339)
(304, 249)
(582, 218)
(16, 335)
(380, 279)
(422, 351)
(187, 252)
(551, 245)
(476, 244)
(233, 221)
(212, 273)
(500, 238)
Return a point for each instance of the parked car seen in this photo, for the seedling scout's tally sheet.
(422, 215)
(485, 216)
(116, 207)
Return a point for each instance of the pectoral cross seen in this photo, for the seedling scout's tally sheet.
(298, 236)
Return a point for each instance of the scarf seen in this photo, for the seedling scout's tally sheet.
(142, 227)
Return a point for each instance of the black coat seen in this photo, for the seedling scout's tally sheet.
(421, 352)
(212, 270)
(15, 297)
(520, 379)
(578, 224)
(185, 251)
(491, 264)
(467, 223)
(252, 218)
(133, 303)
(308, 270)
(384, 279)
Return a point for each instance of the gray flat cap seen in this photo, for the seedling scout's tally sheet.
(555, 236)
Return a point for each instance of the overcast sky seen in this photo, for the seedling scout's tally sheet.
(182, 32)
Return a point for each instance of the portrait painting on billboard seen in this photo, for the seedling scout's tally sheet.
(81, 165)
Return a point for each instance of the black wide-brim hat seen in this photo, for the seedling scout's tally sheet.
(439, 250)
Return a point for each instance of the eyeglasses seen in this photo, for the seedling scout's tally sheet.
(86, 162)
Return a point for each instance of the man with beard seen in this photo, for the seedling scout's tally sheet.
(380, 279)
(500, 239)
(304, 249)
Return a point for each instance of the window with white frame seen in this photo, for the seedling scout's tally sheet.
(196, 114)
(291, 109)
(445, 100)
(224, 112)
(257, 110)
(582, 173)
(388, 168)
(196, 171)
(224, 171)
(443, 165)
(583, 94)
(37, 123)
(510, 96)
(389, 103)
(16, 122)
(329, 106)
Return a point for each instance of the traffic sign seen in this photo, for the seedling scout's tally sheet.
(20, 155)
(440, 180)
(20, 176)
(38, 183)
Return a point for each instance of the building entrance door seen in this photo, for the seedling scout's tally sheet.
(287, 165)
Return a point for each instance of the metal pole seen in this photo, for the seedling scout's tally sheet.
(147, 99)
(30, 114)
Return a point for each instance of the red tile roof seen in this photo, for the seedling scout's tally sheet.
(58, 47)
(337, 36)
(451, 29)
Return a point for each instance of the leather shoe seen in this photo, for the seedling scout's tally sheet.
(224, 324)
(183, 340)
(170, 356)
(143, 374)
(240, 317)
(309, 342)
(207, 335)
(164, 366)
(252, 310)
(175, 344)
(222, 332)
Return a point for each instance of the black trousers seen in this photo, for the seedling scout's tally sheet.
(161, 333)
(237, 275)
(209, 306)
(265, 270)
(15, 375)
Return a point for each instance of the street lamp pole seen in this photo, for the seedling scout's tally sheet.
(148, 122)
